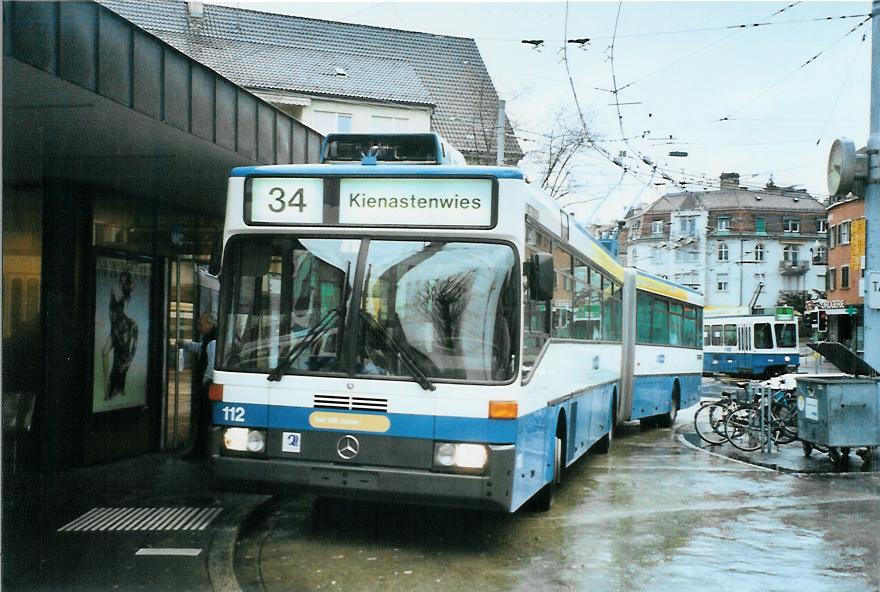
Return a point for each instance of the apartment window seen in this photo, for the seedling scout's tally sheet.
(759, 252)
(821, 225)
(343, 123)
(723, 224)
(791, 225)
(831, 279)
(721, 282)
(843, 232)
(637, 228)
(687, 226)
(723, 252)
(844, 277)
(760, 226)
(385, 124)
(832, 237)
(821, 255)
(790, 254)
(657, 228)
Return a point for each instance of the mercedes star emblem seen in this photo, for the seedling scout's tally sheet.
(348, 447)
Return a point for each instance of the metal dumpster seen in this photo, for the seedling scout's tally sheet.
(840, 413)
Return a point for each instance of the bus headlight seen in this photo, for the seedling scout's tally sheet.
(462, 456)
(244, 440)
(787, 359)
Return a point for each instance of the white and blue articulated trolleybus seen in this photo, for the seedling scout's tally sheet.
(752, 346)
(395, 324)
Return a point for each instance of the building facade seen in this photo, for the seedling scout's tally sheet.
(843, 306)
(116, 153)
(746, 250)
(340, 77)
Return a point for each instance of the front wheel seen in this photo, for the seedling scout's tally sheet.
(709, 423)
(743, 429)
(544, 499)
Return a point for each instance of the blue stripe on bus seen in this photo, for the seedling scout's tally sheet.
(343, 170)
(746, 363)
(653, 394)
(463, 429)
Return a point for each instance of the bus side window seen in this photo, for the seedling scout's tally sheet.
(562, 298)
(643, 318)
(689, 332)
(716, 335)
(675, 324)
(730, 335)
(763, 336)
(660, 322)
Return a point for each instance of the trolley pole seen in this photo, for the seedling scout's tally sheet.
(872, 196)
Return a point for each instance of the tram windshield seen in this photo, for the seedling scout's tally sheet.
(447, 308)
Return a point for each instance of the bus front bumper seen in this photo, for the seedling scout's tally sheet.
(489, 491)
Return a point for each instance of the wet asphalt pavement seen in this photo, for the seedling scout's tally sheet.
(653, 515)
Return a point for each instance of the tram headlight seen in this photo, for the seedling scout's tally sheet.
(462, 456)
(244, 440)
(787, 358)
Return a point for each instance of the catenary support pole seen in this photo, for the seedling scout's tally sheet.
(502, 133)
(872, 194)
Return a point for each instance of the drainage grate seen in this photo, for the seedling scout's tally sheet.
(161, 518)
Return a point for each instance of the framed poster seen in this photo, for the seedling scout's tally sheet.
(122, 329)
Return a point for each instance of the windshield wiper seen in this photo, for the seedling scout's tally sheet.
(414, 369)
(314, 333)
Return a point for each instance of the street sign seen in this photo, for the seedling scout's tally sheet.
(872, 290)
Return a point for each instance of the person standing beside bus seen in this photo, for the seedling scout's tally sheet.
(203, 375)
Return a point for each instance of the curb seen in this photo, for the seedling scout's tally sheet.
(221, 557)
(742, 458)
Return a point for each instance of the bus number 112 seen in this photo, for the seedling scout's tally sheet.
(233, 414)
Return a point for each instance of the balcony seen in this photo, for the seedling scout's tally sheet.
(793, 267)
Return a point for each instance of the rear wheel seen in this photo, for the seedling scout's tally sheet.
(603, 446)
(667, 420)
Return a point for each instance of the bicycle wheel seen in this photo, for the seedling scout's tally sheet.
(709, 423)
(743, 429)
(784, 425)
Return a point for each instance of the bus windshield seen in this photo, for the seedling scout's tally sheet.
(785, 335)
(449, 308)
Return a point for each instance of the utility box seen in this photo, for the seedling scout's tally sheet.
(839, 411)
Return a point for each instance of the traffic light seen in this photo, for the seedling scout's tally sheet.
(822, 321)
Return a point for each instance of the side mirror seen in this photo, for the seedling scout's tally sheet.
(216, 255)
(542, 277)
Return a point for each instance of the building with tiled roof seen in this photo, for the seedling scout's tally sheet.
(338, 77)
(747, 250)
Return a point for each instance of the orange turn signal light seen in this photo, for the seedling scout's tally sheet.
(503, 409)
(215, 392)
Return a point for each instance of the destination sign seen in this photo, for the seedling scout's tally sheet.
(416, 202)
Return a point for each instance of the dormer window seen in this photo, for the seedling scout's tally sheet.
(337, 71)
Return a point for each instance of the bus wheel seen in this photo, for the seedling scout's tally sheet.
(603, 446)
(543, 501)
(667, 420)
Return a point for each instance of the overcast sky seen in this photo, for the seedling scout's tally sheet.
(683, 68)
